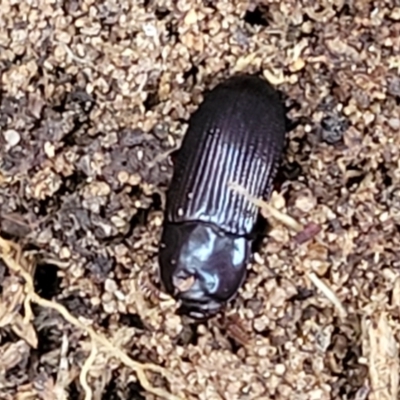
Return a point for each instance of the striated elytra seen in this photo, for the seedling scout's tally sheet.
(235, 136)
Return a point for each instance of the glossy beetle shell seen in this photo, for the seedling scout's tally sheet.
(236, 135)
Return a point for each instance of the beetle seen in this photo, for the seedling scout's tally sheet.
(236, 135)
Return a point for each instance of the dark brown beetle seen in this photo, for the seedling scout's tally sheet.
(235, 136)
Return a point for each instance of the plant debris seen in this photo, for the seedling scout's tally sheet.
(94, 102)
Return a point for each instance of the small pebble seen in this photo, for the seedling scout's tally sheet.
(394, 123)
(12, 137)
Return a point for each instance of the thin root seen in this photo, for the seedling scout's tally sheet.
(15, 264)
(85, 369)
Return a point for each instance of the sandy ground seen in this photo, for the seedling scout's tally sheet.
(94, 97)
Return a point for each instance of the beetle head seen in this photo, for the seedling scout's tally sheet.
(202, 266)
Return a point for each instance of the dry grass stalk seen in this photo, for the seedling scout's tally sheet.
(383, 363)
(268, 210)
(328, 293)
